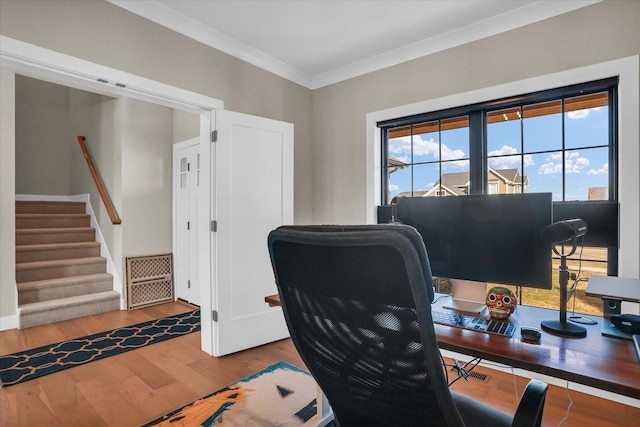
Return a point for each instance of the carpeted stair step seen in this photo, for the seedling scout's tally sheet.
(34, 253)
(54, 235)
(46, 290)
(44, 270)
(49, 207)
(45, 312)
(31, 220)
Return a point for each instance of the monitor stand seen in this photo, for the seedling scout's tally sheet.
(467, 296)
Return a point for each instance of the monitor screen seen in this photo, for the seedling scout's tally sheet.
(601, 217)
(487, 238)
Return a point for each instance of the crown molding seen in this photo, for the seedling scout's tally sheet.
(528, 14)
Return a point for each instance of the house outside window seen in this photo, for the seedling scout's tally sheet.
(562, 141)
(492, 188)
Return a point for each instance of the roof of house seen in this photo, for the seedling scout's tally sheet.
(395, 164)
(461, 179)
(411, 194)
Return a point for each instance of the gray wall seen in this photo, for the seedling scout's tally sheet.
(43, 161)
(96, 118)
(146, 188)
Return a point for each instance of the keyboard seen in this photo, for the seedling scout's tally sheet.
(490, 326)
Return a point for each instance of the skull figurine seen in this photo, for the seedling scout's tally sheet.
(501, 302)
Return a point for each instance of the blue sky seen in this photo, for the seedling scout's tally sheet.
(585, 167)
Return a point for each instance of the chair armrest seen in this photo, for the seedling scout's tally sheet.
(529, 412)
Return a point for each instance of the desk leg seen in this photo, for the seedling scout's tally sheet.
(324, 414)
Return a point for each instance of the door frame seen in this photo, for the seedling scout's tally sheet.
(175, 182)
(49, 65)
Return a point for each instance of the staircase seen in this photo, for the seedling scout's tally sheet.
(59, 271)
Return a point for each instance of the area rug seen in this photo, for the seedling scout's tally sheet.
(279, 395)
(29, 364)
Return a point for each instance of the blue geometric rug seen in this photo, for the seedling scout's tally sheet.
(29, 364)
(280, 395)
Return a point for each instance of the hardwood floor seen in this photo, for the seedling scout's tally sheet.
(135, 387)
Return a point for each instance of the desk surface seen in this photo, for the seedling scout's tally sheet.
(598, 361)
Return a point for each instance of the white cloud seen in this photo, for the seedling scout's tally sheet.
(505, 149)
(549, 168)
(393, 187)
(581, 114)
(459, 164)
(400, 148)
(509, 161)
(604, 170)
(573, 163)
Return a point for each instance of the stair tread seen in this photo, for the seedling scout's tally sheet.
(52, 230)
(50, 246)
(48, 202)
(50, 207)
(66, 302)
(63, 281)
(55, 215)
(59, 262)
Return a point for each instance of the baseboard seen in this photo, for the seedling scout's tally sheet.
(9, 322)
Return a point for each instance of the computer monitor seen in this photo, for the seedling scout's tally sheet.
(601, 217)
(484, 238)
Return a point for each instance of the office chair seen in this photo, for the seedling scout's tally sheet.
(357, 302)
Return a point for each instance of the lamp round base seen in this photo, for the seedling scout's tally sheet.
(563, 329)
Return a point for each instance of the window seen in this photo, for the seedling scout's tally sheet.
(562, 141)
(430, 158)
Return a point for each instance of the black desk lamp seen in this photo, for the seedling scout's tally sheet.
(554, 234)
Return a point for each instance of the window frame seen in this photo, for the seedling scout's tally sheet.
(477, 112)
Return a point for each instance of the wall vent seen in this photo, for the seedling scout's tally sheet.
(149, 280)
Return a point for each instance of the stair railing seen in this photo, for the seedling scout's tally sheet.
(96, 177)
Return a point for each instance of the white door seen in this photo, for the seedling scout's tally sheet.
(253, 194)
(186, 177)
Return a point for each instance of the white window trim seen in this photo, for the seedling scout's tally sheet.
(627, 69)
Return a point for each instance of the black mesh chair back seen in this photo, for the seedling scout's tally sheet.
(357, 302)
(348, 298)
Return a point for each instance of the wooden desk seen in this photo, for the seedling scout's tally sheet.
(597, 361)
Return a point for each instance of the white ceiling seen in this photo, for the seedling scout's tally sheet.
(316, 43)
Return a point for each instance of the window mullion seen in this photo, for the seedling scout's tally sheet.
(477, 153)
(613, 150)
(564, 151)
(411, 160)
(521, 149)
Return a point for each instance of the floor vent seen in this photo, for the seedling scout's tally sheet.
(476, 376)
(149, 280)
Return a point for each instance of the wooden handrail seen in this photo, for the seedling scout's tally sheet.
(103, 193)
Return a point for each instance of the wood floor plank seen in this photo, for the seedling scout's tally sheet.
(140, 385)
(109, 403)
(150, 374)
(149, 405)
(30, 409)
